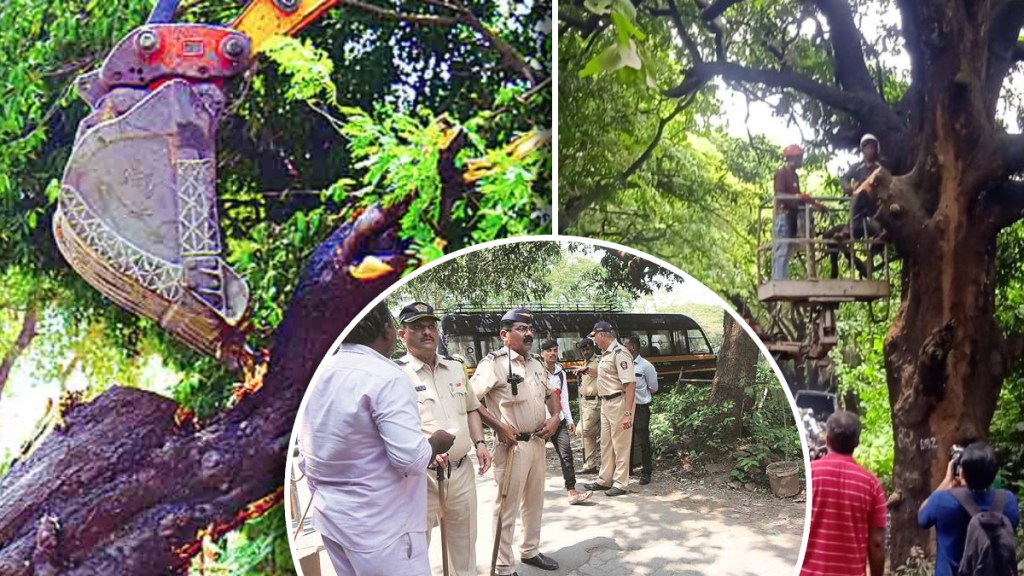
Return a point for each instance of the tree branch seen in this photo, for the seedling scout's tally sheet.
(662, 123)
(851, 69)
(717, 9)
(417, 19)
(25, 337)
(132, 487)
(691, 45)
(1007, 203)
(1004, 50)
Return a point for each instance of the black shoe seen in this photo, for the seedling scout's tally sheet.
(541, 561)
(645, 479)
(589, 471)
(616, 491)
(595, 487)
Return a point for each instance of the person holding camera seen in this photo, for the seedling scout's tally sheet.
(549, 354)
(847, 531)
(965, 497)
(515, 389)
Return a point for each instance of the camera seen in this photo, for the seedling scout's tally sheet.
(956, 453)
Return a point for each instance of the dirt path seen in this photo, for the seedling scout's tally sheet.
(675, 526)
(672, 527)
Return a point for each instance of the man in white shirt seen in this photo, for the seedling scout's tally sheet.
(365, 459)
(549, 354)
(445, 401)
(646, 385)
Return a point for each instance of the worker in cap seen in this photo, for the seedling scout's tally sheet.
(590, 404)
(864, 206)
(616, 385)
(515, 388)
(858, 183)
(787, 206)
(446, 402)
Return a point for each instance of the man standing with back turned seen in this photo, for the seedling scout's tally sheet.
(445, 401)
(515, 388)
(848, 508)
(590, 405)
(364, 457)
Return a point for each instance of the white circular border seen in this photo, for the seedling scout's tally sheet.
(564, 239)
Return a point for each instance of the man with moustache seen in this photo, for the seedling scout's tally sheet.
(445, 401)
(616, 384)
(590, 405)
(364, 458)
(515, 388)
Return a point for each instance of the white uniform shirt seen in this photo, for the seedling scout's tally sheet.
(363, 454)
(557, 381)
(646, 379)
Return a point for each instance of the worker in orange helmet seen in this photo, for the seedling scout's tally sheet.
(788, 201)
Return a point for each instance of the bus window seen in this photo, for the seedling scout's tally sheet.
(661, 344)
(698, 343)
(463, 346)
(680, 339)
(567, 350)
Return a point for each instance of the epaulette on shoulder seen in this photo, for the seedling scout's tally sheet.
(401, 362)
(458, 359)
(497, 353)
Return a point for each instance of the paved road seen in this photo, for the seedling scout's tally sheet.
(671, 527)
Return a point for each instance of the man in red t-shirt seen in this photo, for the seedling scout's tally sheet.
(847, 508)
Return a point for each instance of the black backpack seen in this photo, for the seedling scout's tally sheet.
(988, 549)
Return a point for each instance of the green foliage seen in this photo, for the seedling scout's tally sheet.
(261, 550)
(287, 175)
(685, 414)
(860, 368)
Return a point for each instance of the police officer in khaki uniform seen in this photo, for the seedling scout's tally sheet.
(616, 384)
(445, 401)
(515, 388)
(590, 405)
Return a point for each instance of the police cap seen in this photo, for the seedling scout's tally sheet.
(415, 311)
(518, 315)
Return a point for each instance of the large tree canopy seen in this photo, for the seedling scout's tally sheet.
(358, 113)
(932, 79)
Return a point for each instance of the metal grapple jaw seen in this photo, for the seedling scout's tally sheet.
(137, 214)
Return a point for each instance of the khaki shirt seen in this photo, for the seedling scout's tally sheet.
(615, 370)
(444, 399)
(526, 410)
(588, 383)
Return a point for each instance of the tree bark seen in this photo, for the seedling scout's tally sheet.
(123, 488)
(24, 338)
(737, 369)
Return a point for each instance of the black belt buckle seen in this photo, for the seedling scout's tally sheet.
(524, 437)
(591, 397)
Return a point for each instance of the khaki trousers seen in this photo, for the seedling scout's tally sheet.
(615, 444)
(525, 495)
(590, 428)
(459, 517)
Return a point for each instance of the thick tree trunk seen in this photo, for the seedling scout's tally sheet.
(737, 369)
(123, 489)
(24, 338)
(944, 353)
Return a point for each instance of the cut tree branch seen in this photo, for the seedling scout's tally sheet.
(133, 489)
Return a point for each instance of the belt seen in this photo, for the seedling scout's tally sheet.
(611, 396)
(525, 436)
(590, 397)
